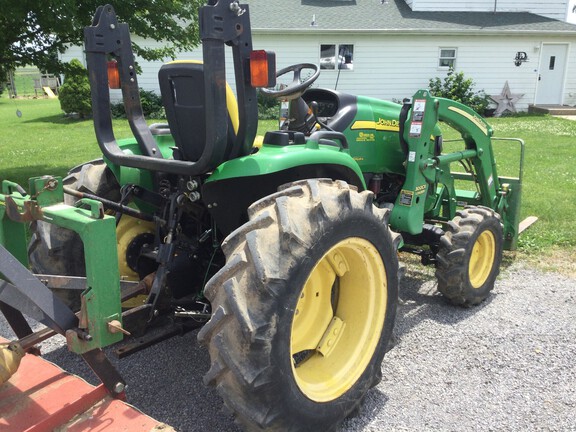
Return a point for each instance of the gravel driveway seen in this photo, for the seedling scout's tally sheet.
(508, 364)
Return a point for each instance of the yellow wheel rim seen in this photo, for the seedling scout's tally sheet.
(338, 320)
(482, 259)
(127, 230)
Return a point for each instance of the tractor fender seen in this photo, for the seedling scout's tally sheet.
(142, 177)
(238, 183)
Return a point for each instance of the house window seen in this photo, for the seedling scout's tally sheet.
(344, 59)
(447, 58)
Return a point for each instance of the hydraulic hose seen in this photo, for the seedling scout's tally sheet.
(111, 204)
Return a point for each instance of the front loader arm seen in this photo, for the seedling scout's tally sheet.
(477, 136)
(427, 167)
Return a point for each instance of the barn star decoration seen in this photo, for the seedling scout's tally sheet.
(505, 100)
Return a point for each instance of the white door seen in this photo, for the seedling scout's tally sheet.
(551, 74)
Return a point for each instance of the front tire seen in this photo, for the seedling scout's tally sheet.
(304, 308)
(470, 255)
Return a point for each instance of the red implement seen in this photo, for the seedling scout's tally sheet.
(41, 397)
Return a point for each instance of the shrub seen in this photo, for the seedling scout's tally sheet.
(268, 107)
(117, 110)
(457, 87)
(74, 94)
(151, 106)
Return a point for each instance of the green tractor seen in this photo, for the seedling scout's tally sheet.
(286, 254)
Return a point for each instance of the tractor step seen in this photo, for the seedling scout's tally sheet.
(42, 397)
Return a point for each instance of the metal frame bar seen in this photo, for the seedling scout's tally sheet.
(24, 292)
(221, 22)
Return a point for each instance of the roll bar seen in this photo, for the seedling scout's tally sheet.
(221, 23)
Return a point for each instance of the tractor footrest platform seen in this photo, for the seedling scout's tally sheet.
(40, 397)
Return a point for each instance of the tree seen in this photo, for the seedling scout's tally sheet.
(75, 92)
(33, 32)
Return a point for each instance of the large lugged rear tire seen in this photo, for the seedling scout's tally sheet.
(469, 256)
(59, 251)
(304, 308)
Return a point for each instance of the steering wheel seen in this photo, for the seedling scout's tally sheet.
(295, 89)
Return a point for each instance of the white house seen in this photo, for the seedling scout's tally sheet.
(557, 9)
(390, 48)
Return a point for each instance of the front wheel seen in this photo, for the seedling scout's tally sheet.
(469, 256)
(304, 308)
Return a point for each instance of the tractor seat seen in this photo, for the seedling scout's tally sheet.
(182, 90)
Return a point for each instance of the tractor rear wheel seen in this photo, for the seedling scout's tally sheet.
(469, 257)
(304, 308)
(59, 251)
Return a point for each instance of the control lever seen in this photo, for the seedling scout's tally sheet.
(314, 107)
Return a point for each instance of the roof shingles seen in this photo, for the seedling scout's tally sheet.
(391, 16)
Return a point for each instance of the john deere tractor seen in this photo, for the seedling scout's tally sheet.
(284, 253)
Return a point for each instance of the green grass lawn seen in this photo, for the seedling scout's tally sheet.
(43, 141)
(549, 185)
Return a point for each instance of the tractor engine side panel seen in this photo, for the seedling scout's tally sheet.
(228, 199)
(373, 137)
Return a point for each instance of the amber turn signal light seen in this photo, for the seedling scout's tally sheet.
(113, 75)
(262, 68)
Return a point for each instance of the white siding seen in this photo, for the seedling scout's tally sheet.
(395, 66)
(570, 86)
(571, 12)
(148, 78)
(550, 8)
(73, 52)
